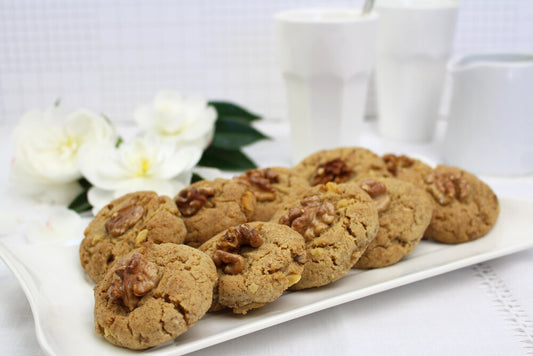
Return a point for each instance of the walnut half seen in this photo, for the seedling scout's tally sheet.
(227, 252)
(191, 200)
(136, 277)
(392, 162)
(332, 171)
(445, 187)
(378, 193)
(313, 218)
(124, 219)
(260, 180)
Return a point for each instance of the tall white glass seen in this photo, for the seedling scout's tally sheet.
(414, 45)
(326, 56)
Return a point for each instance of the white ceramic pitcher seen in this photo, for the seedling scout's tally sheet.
(490, 129)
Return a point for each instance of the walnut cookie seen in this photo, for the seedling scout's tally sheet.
(153, 294)
(256, 263)
(338, 222)
(465, 207)
(209, 207)
(271, 187)
(341, 165)
(404, 213)
(126, 223)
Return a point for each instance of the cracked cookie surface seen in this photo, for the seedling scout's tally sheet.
(465, 207)
(153, 294)
(404, 212)
(341, 165)
(268, 267)
(209, 207)
(126, 223)
(338, 222)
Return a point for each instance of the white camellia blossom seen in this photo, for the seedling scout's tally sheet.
(174, 118)
(145, 163)
(46, 146)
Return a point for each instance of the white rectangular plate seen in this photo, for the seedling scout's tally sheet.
(62, 301)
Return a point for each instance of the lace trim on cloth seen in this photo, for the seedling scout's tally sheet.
(507, 306)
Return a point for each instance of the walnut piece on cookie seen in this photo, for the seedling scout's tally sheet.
(126, 223)
(256, 263)
(338, 221)
(153, 294)
(209, 207)
(465, 207)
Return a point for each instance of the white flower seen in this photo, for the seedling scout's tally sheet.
(142, 164)
(47, 143)
(184, 120)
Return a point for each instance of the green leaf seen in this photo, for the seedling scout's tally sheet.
(80, 203)
(226, 109)
(119, 142)
(230, 160)
(84, 183)
(233, 134)
(57, 102)
(196, 177)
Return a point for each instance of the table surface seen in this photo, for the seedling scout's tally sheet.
(485, 309)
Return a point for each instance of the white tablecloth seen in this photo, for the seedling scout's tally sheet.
(485, 309)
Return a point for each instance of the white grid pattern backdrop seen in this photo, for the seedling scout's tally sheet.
(110, 56)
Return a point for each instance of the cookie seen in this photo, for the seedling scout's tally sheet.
(126, 223)
(209, 207)
(465, 208)
(407, 169)
(256, 263)
(404, 212)
(341, 165)
(153, 294)
(338, 222)
(271, 187)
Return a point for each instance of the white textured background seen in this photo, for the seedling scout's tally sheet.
(109, 56)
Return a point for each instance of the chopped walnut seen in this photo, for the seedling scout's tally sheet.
(260, 180)
(392, 162)
(445, 187)
(136, 277)
(191, 200)
(332, 171)
(313, 218)
(378, 193)
(227, 252)
(124, 219)
(234, 263)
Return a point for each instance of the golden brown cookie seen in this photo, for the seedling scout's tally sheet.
(126, 223)
(465, 207)
(407, 169)
(209, 207)
(404, 213)
(256, 263)
(338, 222)
(153, 294)
(271, 187)
(341, 165)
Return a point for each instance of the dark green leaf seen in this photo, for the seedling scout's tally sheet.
(227, 109)
(233, 134)
(80, 203)
(196, 177)
(84, 183)
(230, 160)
